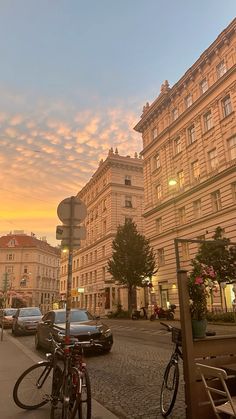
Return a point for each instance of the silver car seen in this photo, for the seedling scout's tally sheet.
(26, 320)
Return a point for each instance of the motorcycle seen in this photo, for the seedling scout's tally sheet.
(139, 314)
(161, 313)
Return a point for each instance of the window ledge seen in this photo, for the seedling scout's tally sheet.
(209, 131)
(226, 117)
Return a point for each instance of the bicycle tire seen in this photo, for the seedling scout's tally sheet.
(24, 392)
(56, 387)
(85, 405)
(169, 388)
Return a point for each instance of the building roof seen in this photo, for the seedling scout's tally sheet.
(17, 241)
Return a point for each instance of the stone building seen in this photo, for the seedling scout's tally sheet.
(113, 194)
(29, 271)
(189, 160)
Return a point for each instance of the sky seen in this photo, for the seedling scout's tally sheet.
(74, 77)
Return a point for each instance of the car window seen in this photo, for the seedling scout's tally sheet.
(10, 312)
(30, 312)
(75, 316)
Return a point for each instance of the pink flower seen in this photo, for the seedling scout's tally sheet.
(198, 280)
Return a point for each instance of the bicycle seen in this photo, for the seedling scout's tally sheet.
(61, 379)
(170, 383)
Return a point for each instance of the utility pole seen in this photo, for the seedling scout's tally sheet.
(71, 212)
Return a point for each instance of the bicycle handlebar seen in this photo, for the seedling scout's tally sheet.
(167, 326)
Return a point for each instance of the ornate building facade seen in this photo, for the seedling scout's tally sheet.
(29, 271)
(189, 157)
(113, 194)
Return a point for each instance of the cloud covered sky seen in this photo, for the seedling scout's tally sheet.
(74, 76)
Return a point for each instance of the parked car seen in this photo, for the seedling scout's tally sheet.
(25, 320)
(83, 326)
(6, 317)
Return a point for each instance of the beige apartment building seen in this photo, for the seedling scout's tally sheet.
(29, 271)
(113, 194)
(189, 137)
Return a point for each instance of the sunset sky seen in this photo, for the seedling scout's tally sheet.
(74, 77)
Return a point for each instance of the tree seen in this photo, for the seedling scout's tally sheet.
(132, 259)
(219, 255)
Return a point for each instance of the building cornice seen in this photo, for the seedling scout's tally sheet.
(189, 110)
(150, 112)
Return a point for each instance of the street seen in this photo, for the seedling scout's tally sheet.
(127, 381)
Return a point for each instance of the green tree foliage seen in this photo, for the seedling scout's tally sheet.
(132, 259)
(220, 255)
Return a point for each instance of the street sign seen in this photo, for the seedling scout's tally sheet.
(71, 211)
(76, 244)
(63, 232)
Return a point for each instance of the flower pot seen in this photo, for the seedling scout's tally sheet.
(199, 328)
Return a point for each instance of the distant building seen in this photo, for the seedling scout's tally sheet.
(29, 271)
(114, 194)
(189, 152)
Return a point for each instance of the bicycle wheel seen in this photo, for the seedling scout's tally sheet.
(33, 387)
(85, 405)
(169, 388)
(56, 388)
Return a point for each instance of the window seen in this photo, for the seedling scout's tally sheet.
(188, 101)
(159, 191)
(234, 191)
(175, 114)
(226, 106)
(191, 134)
(104, 207)
(180, 176)
(104, 227)
(103, 251)
(128, 201)
(213, 159)
(232, 147)
(182, 215)
(221, 69)
(185, 250)
(161, 257)
(154, 133)
(203, 86)
(216, 201)
(158, 225)
(103, 273)
(195, 169)
(156, 162)
(197, 208)
(177, 145)
(208, 121)
(10, 256)
(127, 180)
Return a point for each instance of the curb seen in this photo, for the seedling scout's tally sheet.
(98, 410)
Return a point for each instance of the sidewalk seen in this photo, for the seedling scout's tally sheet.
(14, 359)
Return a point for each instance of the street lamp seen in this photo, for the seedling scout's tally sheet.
(172, 182)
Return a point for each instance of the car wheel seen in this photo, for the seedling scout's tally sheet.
(36, 341)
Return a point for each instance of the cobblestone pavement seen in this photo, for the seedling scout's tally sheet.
(128, 380)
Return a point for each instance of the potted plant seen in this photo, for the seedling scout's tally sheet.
(201, 282)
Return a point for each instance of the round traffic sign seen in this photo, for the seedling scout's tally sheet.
(71, 211)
